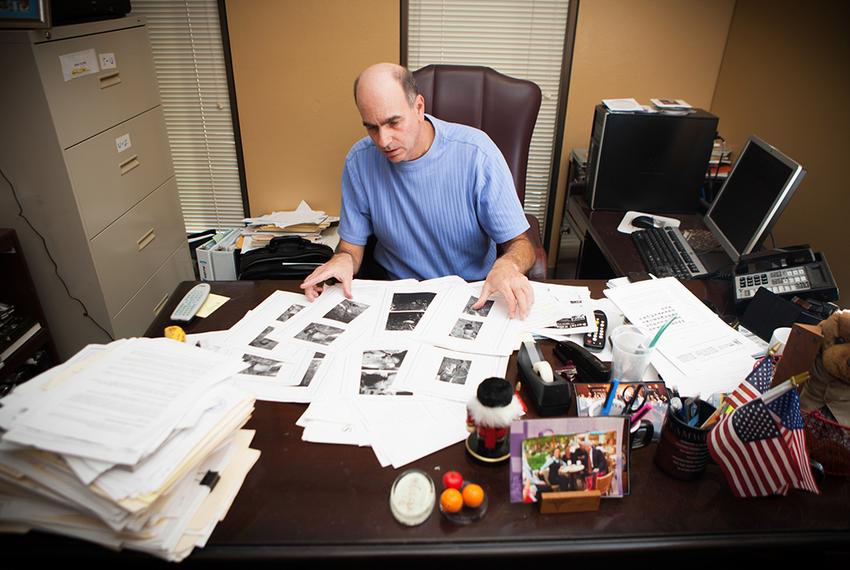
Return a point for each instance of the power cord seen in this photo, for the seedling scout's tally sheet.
(50, 256)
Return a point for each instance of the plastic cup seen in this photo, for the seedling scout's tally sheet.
(631, 354)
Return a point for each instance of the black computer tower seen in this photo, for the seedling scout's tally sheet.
(652, 162)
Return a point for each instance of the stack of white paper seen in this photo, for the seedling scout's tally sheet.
(136, 444)
(698, 353)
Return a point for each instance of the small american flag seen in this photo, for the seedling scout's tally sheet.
(790, 421)
(757, 382)
(749, 447)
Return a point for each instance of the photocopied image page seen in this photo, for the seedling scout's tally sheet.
(573, 311)
(488, 330)
(453, 375)
(407, 309)
(332, 322)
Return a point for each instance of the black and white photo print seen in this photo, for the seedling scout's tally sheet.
(466, 329)
(482, 312)
(262, 342)
(453, 370)
(346, 311)
(319, 333)
(261, 366)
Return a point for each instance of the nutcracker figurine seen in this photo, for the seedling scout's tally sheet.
(489, 417)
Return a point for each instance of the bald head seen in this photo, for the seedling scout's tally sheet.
(382, 76)
(392, 112)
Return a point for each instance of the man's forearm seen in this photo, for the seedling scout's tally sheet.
(519, 252)
(355, 251)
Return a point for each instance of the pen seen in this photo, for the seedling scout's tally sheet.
(615, 383)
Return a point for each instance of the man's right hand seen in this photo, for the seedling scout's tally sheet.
(339, 267)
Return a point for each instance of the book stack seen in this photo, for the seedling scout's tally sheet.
(136, 444)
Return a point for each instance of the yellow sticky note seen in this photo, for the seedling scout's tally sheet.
(212, 303)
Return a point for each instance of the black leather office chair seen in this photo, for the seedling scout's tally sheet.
(503, 107)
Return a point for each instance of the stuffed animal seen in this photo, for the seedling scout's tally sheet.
(830, 382)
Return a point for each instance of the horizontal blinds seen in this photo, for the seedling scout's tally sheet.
(521, 38)
(190, 67)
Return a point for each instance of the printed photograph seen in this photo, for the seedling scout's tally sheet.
(288, 313)
(319, 333)
(569, 454)
(377, 382)
(311, 369)
(411, 301)
(403, 321)
(466, 329)
(383, 359)
(261, 366)
(346, 311)
(262, 342)
(482, 312)
(453, 370)
(573, 322)
(583, 461)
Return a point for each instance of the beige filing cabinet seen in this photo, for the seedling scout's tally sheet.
(84, 144)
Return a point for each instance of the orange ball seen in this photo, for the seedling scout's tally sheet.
(473, 496)
(451, 501)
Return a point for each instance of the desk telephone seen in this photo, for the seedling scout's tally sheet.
(789, 272)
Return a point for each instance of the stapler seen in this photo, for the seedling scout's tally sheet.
(550, 395)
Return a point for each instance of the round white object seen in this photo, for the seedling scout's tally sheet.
(412, 497)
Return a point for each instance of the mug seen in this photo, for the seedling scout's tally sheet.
(683, 450)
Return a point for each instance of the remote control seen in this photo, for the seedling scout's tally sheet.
(191, 302)
(596, 340)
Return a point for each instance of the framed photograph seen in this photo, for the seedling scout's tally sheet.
(591, 397)
(26, 14)
(569, 454)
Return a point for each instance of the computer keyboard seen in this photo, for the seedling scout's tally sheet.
(665, 253)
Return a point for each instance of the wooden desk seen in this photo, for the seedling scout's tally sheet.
(306, 500)
(604, 251)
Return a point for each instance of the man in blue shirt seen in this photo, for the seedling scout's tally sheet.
(438, 196)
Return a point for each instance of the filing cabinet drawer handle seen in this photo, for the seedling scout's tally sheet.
(110, 80)
(160, 305)
(129, 164)
(146, 239)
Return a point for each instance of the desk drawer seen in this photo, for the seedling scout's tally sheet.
(107, 182)
(140, 311)
(129, 251)
(90, 104)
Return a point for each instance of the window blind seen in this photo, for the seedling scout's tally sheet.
(190, 67)
(520, 38)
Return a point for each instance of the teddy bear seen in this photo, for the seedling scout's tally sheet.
(830, 375)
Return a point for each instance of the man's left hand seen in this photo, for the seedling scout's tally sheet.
(505, 278)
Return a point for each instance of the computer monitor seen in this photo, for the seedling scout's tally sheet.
(752, 198)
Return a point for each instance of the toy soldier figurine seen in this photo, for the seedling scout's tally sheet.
(489, 417)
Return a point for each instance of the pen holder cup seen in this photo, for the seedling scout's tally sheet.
(683, 450)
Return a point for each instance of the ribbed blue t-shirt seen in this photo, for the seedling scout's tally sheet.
(441, 214)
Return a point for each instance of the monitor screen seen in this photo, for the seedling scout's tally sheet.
(749, 203)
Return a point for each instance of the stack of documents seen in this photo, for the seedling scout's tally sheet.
(303, 222)
(136, 444)
(698, 354)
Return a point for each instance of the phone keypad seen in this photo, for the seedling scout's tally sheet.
(782, 281)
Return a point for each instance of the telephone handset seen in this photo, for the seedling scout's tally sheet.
(789, 272)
